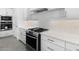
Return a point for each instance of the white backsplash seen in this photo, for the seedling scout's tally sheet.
(53, 15)
(45, 17)
(66, 25)
(31, 23)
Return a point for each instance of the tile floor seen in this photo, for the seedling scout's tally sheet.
(10, 43)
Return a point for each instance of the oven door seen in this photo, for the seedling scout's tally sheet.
(6, 24)
(31, 41)
(6, 18)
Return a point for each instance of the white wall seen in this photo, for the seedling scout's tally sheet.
(72, 12)
(53, 15)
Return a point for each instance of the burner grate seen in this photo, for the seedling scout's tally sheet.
(38, 29)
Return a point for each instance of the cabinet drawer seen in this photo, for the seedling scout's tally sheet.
(54, 47)
(22, 31)
(54, 40)
(43, 47)
(47, 46)
(72, 47)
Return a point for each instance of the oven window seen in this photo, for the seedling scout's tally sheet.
(31, 41)
(6, 25)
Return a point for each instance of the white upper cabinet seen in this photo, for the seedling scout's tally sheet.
(19, 15)
(6, 11)
(72, 12)
(2, 11)
(10, 11)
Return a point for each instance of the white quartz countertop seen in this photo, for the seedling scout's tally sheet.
(25, 27)
(70, 37)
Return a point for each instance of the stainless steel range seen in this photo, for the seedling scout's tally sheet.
(33, 38)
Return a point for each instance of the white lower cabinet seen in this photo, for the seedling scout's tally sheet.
(72, 47)
(54, 47)
(51, 44)
(54, 44)
(22, 35)
(53, 40)
(23, 39)
(47, 46)
(43, 46)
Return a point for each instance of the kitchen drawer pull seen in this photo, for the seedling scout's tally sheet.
(51, 40)
(30, 36)
(50, 49)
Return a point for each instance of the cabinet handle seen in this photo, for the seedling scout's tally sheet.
(51, 40)
(50, 49)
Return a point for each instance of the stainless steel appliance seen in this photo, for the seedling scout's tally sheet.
(5, 23)
(6, 18)
(33, 38)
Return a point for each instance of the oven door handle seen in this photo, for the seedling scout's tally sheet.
(30, 36)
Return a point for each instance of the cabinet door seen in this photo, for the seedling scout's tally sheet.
(43, 45)
(3, 11)
(23, 39)
(53, 47)
(19, 13)
(72, 46)
(53, 40)
(23, 35)
(6, 11)
(16, 32)
(48, 46)
(9, 11)
(20, 30)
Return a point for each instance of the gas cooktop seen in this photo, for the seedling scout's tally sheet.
(37, 29)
